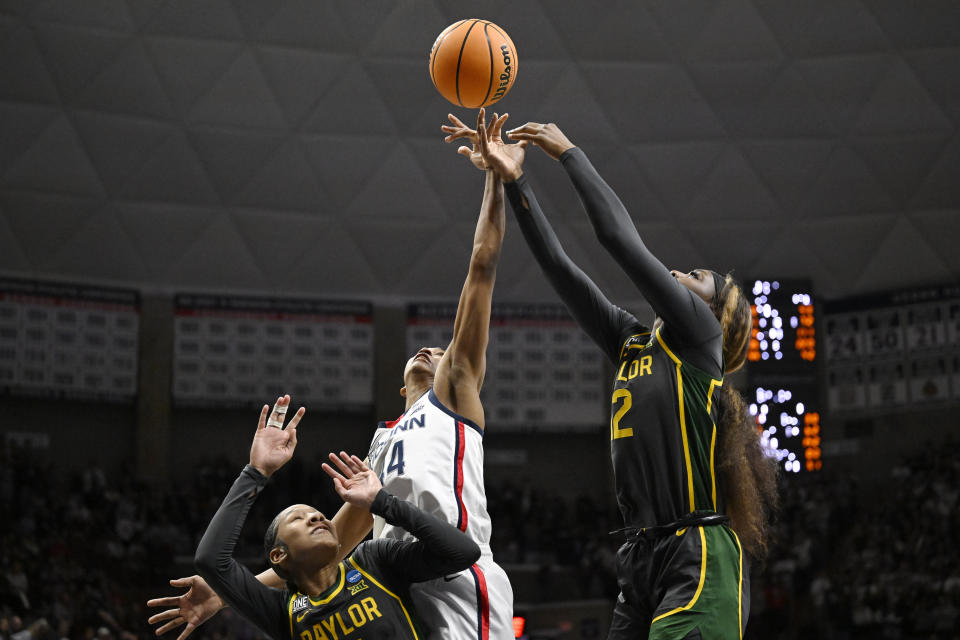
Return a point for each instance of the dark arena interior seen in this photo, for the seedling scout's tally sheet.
(207, 205)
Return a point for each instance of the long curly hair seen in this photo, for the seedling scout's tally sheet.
(749, 477)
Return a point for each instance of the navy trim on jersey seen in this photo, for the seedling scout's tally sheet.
(470, 423)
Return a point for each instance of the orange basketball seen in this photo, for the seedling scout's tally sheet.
(473, 63)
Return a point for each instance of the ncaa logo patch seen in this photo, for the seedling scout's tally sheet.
(353, 576)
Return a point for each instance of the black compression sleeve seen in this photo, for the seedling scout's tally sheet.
(234, 583)
(603, 321)
(687, 318)
(440, 549)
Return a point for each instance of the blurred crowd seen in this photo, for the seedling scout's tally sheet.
(80, 553)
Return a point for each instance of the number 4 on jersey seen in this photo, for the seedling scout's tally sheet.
(396, 458)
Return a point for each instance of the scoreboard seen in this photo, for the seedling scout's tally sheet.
(782, 373)
(231, 350)
(68, 340)
(893, 350)
(543, 372)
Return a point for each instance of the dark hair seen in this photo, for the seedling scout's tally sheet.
(749, 477)
(272, 541)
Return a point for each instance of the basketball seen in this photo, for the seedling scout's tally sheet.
(473, 63)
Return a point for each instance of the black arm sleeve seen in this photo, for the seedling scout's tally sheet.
(440, 548)
(687, 319)
(604, 322)
(234, 583)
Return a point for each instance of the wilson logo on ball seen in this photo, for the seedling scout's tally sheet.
(473, 63)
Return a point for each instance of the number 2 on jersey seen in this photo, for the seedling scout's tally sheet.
(396, 458)
(615, 430)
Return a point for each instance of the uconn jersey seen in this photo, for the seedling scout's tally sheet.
(432, 457)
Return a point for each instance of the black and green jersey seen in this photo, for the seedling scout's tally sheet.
(662, 433)
(368, 600)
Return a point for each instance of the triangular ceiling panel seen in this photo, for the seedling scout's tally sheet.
(399, 190)
(675, 170)
(533, 36)
(408, 31)
(682, 21)
(118, 145)
(112, 257)
(353, 105)
(143, 11)
(584, 29)
(788, 110)
(75, 56)
(278, 241)
(661, 104)
(254, 15)
(344, 165)
(216, 20)
(188, 68)
(735, 32)
(940, 230)
(173, 173)
(220, 257)
(307, 24)
(56, 162)
(98, 14)
(299, 78)
(937, 71)
(823, 27)
(845, 186)
(934, 23)
(452, 244)
(416, 108)
(457, 184)
(787, 255)
(885, 270)
(620, 170)
(20, 125)
(735, 90)
(900, 104)
(240, 97)
(12, 256)
(392, 247)
(843, 85)
(941, 188)
(846, 246)
(730, 245)
(43, 224)
(162, 233)
(338, 267)
(286, 181)
(232, 156)
(788, 167)
(128, 85)
(529, 94)
(732, 191)
(901, 162)
(568, 102)
(23, 74)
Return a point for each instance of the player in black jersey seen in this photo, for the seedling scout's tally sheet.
(686, 457)
(364, 596)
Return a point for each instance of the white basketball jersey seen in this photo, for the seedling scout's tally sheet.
(432, 457)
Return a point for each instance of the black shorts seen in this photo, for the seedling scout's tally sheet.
(690, 584)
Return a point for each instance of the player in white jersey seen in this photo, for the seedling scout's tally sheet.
(431, 456)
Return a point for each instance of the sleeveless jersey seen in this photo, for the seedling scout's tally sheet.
(433, 458)
(662, 434)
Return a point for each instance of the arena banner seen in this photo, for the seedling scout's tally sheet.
(543, 373)
(67, 340)
(238, 350)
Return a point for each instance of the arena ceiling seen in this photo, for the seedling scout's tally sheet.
(293, 146)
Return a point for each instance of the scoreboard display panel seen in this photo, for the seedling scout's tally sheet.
(543, 372)
(892, 350)
(782, 373)
(231, 350)
(68, 340)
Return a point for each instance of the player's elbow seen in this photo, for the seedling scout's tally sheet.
(208, 562)
(484, 259)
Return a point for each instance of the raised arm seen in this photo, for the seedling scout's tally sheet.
(603, 322)
(685, 315)
(460, 373)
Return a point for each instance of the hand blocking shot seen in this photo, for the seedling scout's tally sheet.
(366, 594)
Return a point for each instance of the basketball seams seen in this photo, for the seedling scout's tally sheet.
(491, 74)
(513, 53)
(463, 45)
(441, 39)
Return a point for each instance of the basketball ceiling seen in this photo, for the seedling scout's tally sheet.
(294, 146)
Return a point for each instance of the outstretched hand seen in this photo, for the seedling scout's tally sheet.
(273, 444)
(546, 136)
(459, 131)
(355, 483)
(192, 609)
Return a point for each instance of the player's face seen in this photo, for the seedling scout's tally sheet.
(700, 281)
(308, 534)
(423, 363)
